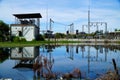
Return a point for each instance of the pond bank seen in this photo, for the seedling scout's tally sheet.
(89, 40)
(109, 76)
(61, 41)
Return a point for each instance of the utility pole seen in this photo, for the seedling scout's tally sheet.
(71, 29)
(50, 29)
(82, 28)
(51, 21)
(89, 17)
(105, 27)
(46, 17)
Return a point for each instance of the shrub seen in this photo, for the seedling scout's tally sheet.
(0, 39)
(23, 40)
(16, 39)
(19, 39)
(40, 38)
(33, 40)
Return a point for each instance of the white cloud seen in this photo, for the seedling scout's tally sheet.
(63, 11)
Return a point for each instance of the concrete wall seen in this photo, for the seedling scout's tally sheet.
(29, 32)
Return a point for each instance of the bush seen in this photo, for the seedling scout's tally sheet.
(0, 39)
(16, 39)
(40, 38)
(33, 40)
(23, 40)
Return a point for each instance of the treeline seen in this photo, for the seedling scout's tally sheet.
(4, 31)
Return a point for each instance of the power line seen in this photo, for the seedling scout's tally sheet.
(61, 23)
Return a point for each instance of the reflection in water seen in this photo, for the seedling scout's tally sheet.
(55, 61)
(70, 51)
(47, 64)
(24, 56)
(4, 54)
(42, 66)
(99, 56)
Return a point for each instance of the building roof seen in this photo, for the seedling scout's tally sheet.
(29, 15)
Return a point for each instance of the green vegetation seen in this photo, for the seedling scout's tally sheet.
(60, 35)
(32, 43)
(4, 31)
(118, 42)
(19, 39)
(4, 54)
(117, 30)
(13, 41)
(40, 38)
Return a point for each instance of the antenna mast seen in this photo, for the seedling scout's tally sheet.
(47, 18)
(89, 17)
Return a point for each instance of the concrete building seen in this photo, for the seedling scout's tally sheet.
(26, 26)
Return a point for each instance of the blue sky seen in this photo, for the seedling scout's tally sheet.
(65, 12)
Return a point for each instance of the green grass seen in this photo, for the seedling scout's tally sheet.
(31, 43)
(35, 43)
(118, 42)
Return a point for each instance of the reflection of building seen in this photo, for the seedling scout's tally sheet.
(24, 56)
(26, 26)
(24, 53)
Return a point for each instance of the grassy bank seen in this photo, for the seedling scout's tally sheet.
(15, 44)
(31, 43)
(118, 42)
(35, 43)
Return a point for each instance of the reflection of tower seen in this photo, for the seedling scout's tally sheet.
(67, 48)
(83, 50)
(101, 49)
(70, 51)
(77, 48)
(101, 57)
(88, 59)
(50, 56)
(51, 61)
(96, 54)
(106, 51)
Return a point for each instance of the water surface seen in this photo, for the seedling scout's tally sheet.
(91, 60)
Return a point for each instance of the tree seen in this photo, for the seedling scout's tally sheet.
(117, 30)
(60, 35)
(4, 31)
